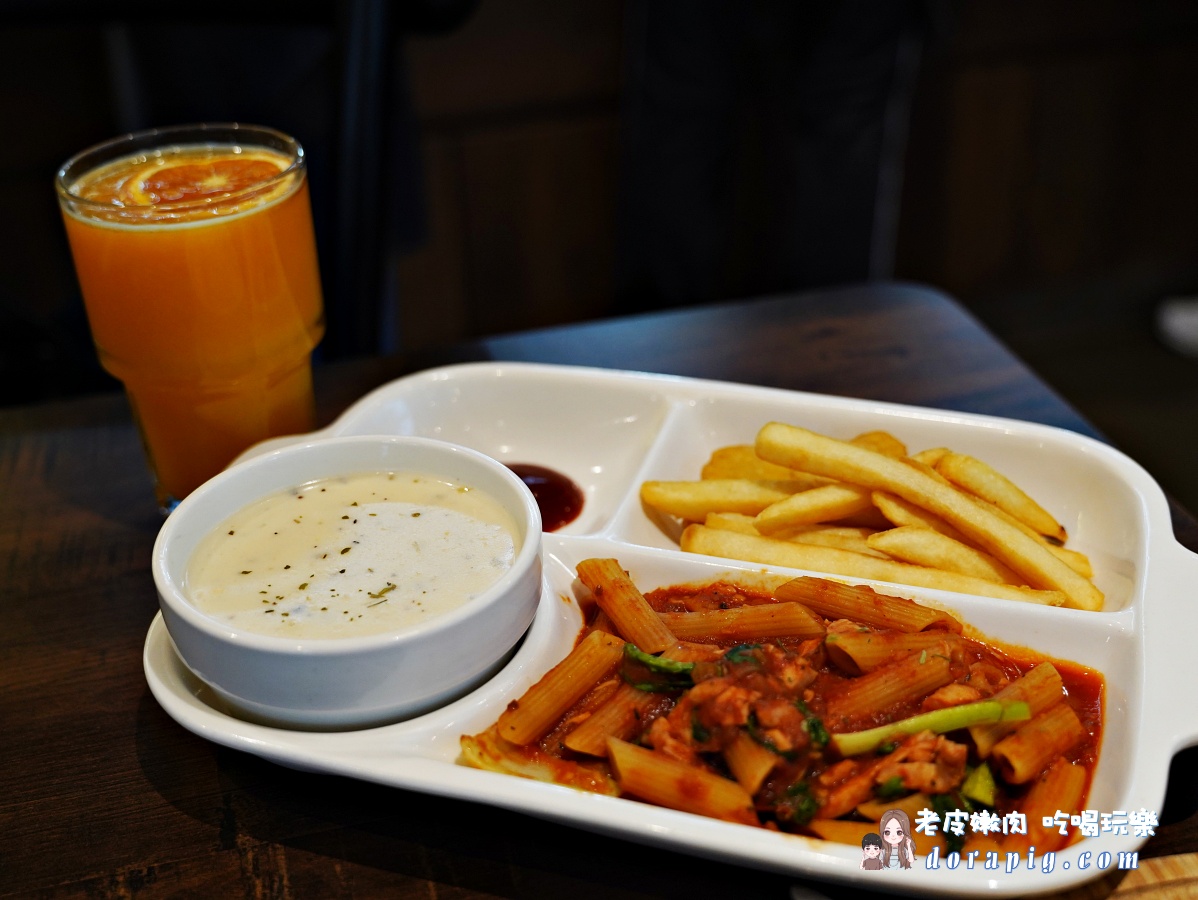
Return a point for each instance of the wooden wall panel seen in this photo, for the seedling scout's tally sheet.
(433, 297)
(519, 112)
(987, 163)
(1047, 153)
(540, 222)
(519, 57)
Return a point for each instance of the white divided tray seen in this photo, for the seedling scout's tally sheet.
(609, 431)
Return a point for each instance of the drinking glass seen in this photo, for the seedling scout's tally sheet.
(196, 257)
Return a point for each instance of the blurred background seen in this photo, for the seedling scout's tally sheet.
(484, 166)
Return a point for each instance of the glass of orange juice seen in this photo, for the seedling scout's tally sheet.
(196, 257)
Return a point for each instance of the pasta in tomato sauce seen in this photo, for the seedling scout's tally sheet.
(787, 710)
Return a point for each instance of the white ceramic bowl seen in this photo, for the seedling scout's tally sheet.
(343, 683)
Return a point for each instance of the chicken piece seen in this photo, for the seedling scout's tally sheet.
(987, 678)
(723, 704)
(792, 672)
(663, 737)
(950, 695)
(845, 626)
(846, 785)
(926, 762)
(781, 723)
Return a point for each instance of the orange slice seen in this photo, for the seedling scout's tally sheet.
(189, 179)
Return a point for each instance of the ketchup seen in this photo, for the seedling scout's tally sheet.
(559, 498)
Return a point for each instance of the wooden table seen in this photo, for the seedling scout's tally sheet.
(103, 795)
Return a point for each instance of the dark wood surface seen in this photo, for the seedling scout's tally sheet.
(103, 795)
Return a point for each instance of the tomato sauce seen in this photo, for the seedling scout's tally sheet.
(776, 693)
(559, 499)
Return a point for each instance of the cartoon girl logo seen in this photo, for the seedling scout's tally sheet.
(898, 849)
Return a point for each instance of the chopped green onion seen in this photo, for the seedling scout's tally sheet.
(979, 785)
(984, 712)
(662, 674)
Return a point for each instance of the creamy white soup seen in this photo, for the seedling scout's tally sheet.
(352, 556)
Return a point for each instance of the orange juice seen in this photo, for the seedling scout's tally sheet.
(197, 262)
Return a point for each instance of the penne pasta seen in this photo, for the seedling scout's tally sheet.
(491, 752)
(1061, 788)
(603, 622)
(668, 782)
(750, 762)
(532, 716)
(619, 598)
(863, 604)
(1039, 688)
(904, 680)
(621, 715)
(858, 652)
(1024, 753)
(799, 728)
(911, 805)
(744, 623)
(627, 710)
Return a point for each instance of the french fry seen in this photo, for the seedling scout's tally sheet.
(1074, 559)
(921, 466)
(693, 500)
(925, 547)
(982, 480)
(731, 522)
(881, 442)
(1039, 568)
(830, 502)
(822, 504)
(930, 456)
(831, 560)
(741, 461)
(867, 518)
(899, 512)
(843, 536)
(1078, 562)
